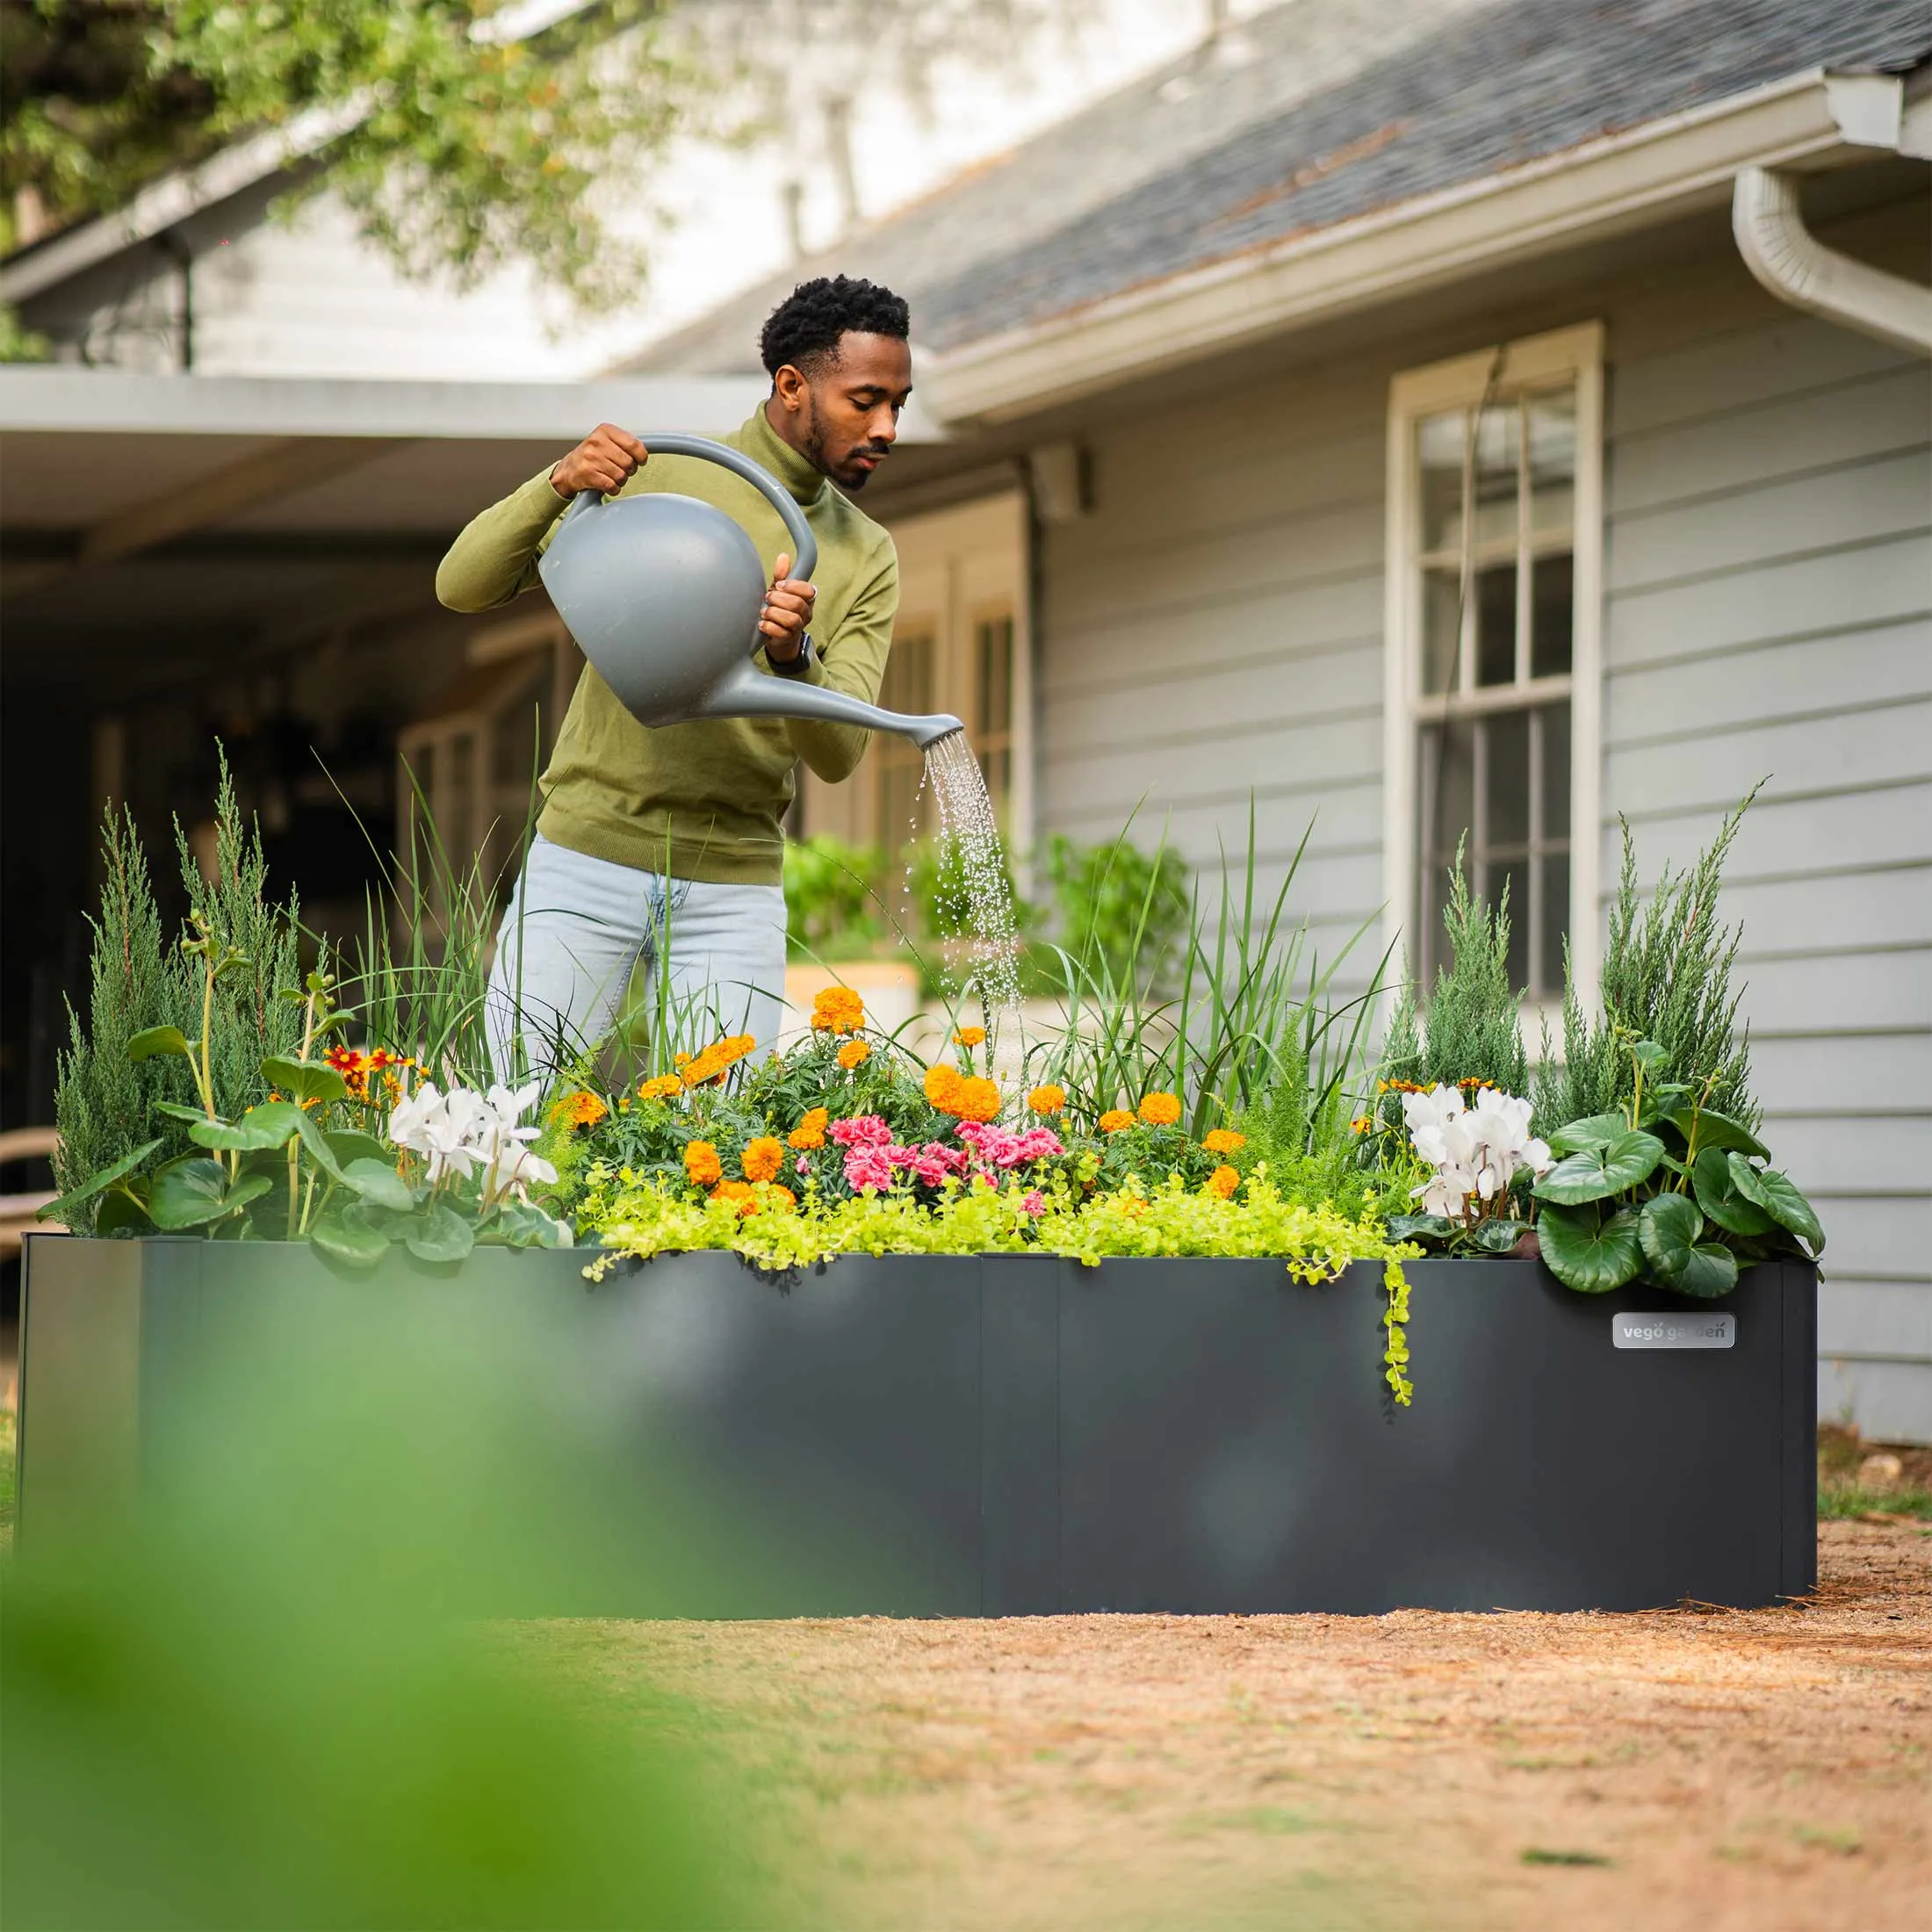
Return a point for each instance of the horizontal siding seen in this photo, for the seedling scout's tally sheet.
(1769, 495)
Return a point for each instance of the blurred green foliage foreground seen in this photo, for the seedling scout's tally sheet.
(270, 1697)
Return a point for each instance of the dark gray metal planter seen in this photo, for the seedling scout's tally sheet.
(1007, 1435)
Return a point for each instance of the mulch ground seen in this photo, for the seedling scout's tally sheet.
(1754, 1771)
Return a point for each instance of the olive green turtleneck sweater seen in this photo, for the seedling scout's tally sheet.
(703, 800)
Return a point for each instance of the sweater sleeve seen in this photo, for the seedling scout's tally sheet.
(494, 559)
(852, 661)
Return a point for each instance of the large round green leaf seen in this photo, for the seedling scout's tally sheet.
(151, 1041)
(274, 1123)
(348, 1146)
(1774, 1192)
(440, 1235)
(305, 1079)
(1598, 1172)
(1595, 1130)
(379, 1182)
(1711, 1178)
(349, 1240)
(1586, 1250)
(190, 1192)
(1669, 1225)
(1703, 1127)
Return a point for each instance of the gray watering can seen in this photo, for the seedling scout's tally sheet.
(662, 593)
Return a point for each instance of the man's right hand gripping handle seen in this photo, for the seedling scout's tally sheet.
(604, 461)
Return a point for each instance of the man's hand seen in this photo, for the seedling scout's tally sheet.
(605, 460)
(787, 614)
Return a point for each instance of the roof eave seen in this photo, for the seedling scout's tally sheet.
(1621, 181)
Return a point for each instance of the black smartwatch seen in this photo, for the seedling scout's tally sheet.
(796, 667)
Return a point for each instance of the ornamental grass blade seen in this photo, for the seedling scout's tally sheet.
(1775, 1195)
(1588, 1252)
(1598, 1172)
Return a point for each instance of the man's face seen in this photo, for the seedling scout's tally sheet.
(844, 417)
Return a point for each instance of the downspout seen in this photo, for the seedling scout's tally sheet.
(1798, 269)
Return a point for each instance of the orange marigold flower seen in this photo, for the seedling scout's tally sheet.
(1223, 1140)
(1115, 1119)
(970, 1036)
(663, 1088)
(1223, 1181)
(741, 1193)
(1047, 1099)
(1160, 1109)
(976, 1099)
(809, 1133)
(838, 1009)
(854, 1053)
(762, 1158)
(582, 1108)
(715, 1060)
(702, 1164)
(941, 1080)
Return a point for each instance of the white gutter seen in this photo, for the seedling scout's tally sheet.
(1622, 181)
(173, 198)
(1768, 221)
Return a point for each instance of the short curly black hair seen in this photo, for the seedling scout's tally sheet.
(804, 329)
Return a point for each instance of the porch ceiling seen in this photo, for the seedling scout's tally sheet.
(151, 526)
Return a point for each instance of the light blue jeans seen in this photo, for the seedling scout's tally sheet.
(576, 929)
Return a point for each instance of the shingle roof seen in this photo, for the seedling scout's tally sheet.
(1345, 106)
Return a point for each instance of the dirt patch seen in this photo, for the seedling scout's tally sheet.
(1754, 1771)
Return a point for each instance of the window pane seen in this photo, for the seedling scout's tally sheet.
(1495, 624)
(907, 685)
(993, 650)
(1554, 723)
(1553, 923)
(1506, 783)
(1553, 459)
(1438, 448)
(1550, 620)
(1495, 473)
(1441, 622)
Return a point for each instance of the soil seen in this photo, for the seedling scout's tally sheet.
(1679, 1769)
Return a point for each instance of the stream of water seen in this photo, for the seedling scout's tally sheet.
(970, 851)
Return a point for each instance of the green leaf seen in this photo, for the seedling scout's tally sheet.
(1586, 1252)
(119, 1212)
(192, 1191)
(1775, 1193)
(304, 1080)
(1711, 1180)
(1669, 1225)
(347, 1146)
(1498, 1237)
(1647, 1054)
(523, 1224)
(440, 1235)
(316, 1142)
(175, 1111)
(1598, 1172)
(1420, 1228)
(58, 1210)
(1702, 1127)
(349, 1240)
(1597, 1130)
(377, 1181)
(274, 1123)
(151, 1041)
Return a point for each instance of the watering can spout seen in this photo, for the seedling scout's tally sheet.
(662, 594)
(747, 692)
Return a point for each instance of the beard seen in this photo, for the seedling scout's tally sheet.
(842, 469)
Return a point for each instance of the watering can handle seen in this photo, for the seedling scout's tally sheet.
(804, 546)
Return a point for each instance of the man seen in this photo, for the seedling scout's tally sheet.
(665, 845)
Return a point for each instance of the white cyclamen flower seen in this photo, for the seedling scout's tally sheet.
(501, 1140)
(439, 1127)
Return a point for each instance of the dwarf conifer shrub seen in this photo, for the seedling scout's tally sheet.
(1668, 966)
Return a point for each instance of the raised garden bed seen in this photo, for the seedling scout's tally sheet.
(1009, 1435)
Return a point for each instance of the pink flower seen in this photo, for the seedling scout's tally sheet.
(996, 1147)
(863, 1130)
(803, 1164)
(1035, 1203)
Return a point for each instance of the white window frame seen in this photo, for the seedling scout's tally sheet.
(1500, 371)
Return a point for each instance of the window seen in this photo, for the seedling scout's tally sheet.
(1494, 564)
(991, 720)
